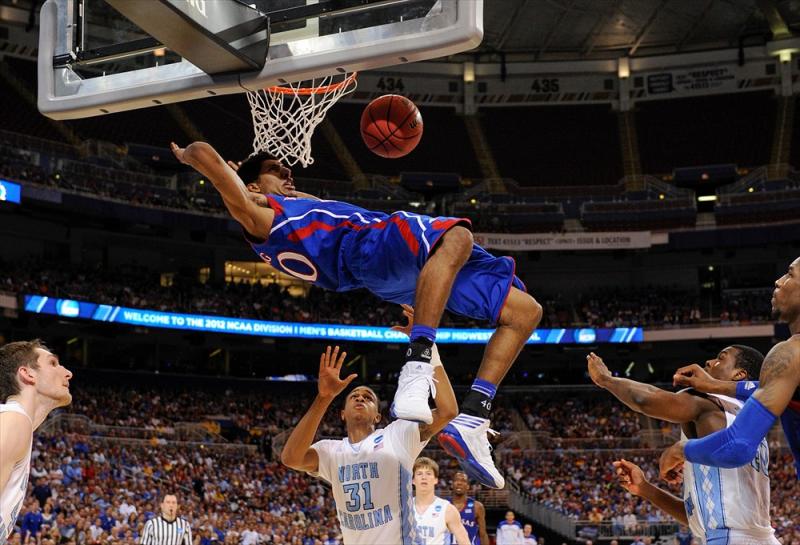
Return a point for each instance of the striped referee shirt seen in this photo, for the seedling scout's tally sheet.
(160, 531)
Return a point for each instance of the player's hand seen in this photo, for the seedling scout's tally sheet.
(178, 152)
(630, 476)
(234, 165)
(694, 376)
(408, 312)
(330, 365)
(670, 467)
(598, 371)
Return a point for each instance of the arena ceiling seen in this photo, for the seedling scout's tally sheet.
(586, 29)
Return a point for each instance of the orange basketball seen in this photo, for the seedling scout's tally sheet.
(391, 126)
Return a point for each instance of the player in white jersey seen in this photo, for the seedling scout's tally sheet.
(721, 506)
(32, 383)
(369, 470)
(437, 519)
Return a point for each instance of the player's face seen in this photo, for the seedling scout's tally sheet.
(723, 367)
(527, 530)
(274, 179)
(52, 378)
(424, 479)
(169, 507)
(786, 297)
(361, 406)
(510, 517)
(460, 484)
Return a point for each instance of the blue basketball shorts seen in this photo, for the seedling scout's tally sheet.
(387, 261)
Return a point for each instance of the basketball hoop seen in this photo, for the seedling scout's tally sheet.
(284, 117)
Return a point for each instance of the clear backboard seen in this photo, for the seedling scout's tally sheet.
(104, 56)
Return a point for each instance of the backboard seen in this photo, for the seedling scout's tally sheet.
(94, 59)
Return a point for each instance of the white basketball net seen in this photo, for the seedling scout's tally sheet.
(284, 117)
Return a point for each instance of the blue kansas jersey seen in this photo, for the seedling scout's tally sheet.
(341, 247)
(469, 522)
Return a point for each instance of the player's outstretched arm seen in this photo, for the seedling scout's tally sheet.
(643, 398)
(455, 526)
(445, 400)
(15, 438)
(631, 478)
(255, 219)
(297, 452)
(694, 376)
(737, 445)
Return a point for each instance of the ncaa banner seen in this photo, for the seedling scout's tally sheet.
(68, 308)
(564, 241)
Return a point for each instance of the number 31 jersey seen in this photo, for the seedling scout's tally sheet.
(371, 483)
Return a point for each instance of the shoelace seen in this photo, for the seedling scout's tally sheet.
(427, 378)
(493, 433)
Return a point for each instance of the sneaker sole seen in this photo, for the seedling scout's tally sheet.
(452, 442)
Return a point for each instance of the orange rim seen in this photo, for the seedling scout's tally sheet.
(314, 90)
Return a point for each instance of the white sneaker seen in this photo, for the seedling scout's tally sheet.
(466, 438)
(415, 385)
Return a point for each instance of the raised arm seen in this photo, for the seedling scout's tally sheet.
(631, 478)
(455, 526)
(445, 398)
(679, 408)
(256, 220)
(738, 444)
(297, 452)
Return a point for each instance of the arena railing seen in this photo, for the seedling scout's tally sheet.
(37, 145)
(572, 528)
(179, 433)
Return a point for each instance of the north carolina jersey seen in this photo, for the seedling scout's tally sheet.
(469, 522)
(509, 533)
(13, 494)
(729, 506)
(341, 247)
(431, 524)
(371, 483)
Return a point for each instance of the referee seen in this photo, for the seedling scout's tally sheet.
(167, 529)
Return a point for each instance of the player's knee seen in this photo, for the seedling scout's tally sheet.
(532, 312)
(457, 242)
(521, 312)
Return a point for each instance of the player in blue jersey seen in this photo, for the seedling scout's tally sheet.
(403, 258)
(473, 513)
(777, 395)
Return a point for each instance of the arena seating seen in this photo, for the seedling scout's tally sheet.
(512, 217)
(555, 145)
(638, 215)
(704, 130)
(758, 207)
(652, 307)
(235, 486)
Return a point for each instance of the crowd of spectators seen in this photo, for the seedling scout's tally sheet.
(581, 484)
(101, 486)
(102, 492)
(139, 287)
(664, 308)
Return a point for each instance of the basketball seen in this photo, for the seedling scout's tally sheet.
(391, 126)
